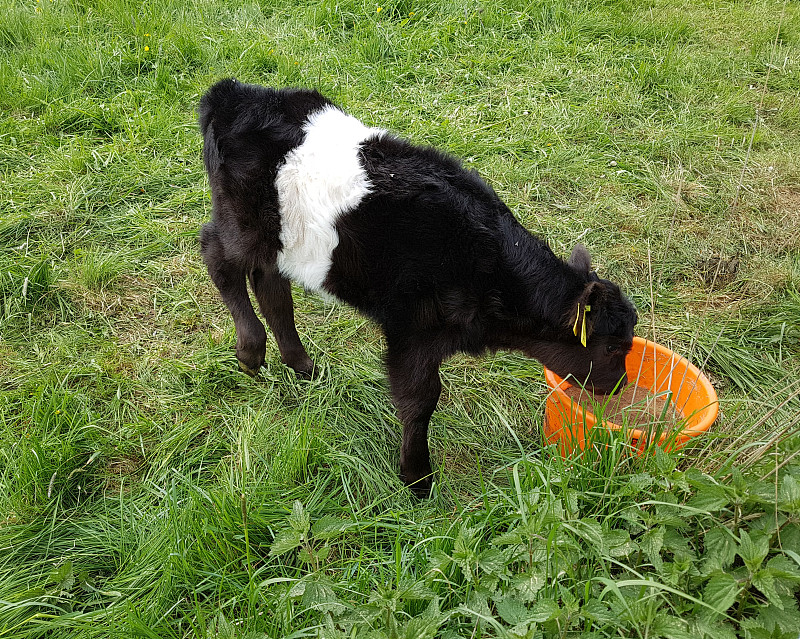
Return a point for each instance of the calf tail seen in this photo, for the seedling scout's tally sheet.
(216, 102)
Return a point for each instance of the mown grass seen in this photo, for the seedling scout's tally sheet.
(149, 489)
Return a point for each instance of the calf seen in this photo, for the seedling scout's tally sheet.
(302, 191)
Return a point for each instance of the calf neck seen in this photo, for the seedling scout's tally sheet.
(304, 192)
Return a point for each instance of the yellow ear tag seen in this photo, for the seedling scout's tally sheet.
(586, 309)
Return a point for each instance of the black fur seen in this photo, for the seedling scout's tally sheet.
(431, 254)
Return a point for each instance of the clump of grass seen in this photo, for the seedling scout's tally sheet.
(97, 270)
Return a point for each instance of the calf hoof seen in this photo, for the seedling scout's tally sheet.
(250, 363)
(420, 486)
(302, 366)
(251, 353)
(306, 373)
(246, 369)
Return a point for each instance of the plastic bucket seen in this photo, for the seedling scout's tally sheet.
(656, 369)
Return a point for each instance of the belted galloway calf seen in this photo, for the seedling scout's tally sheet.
(304, 192)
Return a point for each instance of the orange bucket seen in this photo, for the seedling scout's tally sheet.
(655, 369)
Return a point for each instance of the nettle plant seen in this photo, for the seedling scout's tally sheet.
(664, 553)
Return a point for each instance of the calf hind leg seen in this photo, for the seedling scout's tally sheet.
(231, 280)
(274, 295)
(415, 386)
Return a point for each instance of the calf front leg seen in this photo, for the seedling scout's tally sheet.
(274, 295)
(415, 385)
(231, 281)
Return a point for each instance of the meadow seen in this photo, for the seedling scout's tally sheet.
(149, 489)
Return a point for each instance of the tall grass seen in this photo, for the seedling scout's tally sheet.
(148, 489)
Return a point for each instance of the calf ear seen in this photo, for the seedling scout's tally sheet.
(580, 317)
(580, 259)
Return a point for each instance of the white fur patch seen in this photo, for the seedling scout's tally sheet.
(320, 180)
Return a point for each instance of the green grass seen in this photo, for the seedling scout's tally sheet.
(148, 489)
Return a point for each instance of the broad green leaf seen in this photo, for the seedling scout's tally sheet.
(439, 562)
(651, 544)
(322, 553)
(327, 527)
(785, 570)
(712, 628)
(328, 633)
(285, 541)
(570, 496)
(527, 584)
(597, 611)
(753, 551)
(478, 606)
(543, 610)
(424, 626)
(709, 499)
(297, 589)
(319, 595)
(415, 590)
(738, 482)
(493, 561)
(617, 543)
(464, 554)
(679, 480)
(676, 543)
(591, 532)
(63, 576)
(633, 518)
(761, 492)
(221, 628)
(665, 463)
(520, 631)
(385, 598)
(765, 582)
(305, 556)
(299, 520)
(698, 478)
(511, 610)
(785, 618)
(790, 538)
(720, 549)
(789, 495)
(721, 591)
(508, 538)
(669, 512)
(636, 484)
(671, 627)
(86, 581)
(433, 611)
(673, 572)
(755, 629)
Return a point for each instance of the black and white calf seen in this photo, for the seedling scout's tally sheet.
(302, 191)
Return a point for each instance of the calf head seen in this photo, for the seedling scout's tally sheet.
(597, 332)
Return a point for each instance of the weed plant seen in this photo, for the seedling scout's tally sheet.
(148, 489)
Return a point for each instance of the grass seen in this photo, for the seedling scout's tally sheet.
(148, 489)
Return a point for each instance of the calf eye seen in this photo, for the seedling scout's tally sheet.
(612, 350)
